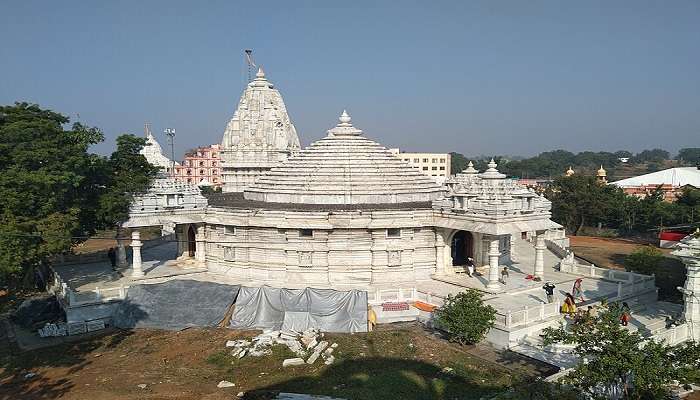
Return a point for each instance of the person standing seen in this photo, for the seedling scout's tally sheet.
(577, 291)
(569, 306)
(626, 315)
(112, 255)
(504, 275)
(470, 267)
(549, 291)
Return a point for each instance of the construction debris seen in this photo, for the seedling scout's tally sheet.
(225, 384)
(302, 344)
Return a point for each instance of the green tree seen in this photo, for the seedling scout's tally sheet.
(457, 162)
(129, 173)
(615, 358)
(644, 260)
(54, 191)
(465, 317)
(579, 200)
(690, 155)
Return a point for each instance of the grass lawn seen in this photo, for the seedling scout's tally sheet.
(392, 363)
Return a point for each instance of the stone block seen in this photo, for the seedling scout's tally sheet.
(292, 362)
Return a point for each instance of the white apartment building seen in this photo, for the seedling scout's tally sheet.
(435, 165)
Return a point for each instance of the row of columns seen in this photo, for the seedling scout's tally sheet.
(494, 255)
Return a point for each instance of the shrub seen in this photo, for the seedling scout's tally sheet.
(644, 260)
(465, 317)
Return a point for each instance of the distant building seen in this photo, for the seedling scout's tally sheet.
(671, 182)
(624, 160)
(201, 167)
(435, 165)
(602, 175)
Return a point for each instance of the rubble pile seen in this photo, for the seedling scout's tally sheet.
(309, 346)
(51, 330)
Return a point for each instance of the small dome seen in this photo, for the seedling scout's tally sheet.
(569, 171)
(602, 172)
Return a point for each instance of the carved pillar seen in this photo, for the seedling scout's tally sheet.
(689, 253)
(200, 250)
(513, 253)
(539, 255)
(137, 269)
(494, 254)
(439, 251)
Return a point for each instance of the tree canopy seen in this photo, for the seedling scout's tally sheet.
(616, 359)
(54, 190)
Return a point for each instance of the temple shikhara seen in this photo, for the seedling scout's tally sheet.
(346, 213)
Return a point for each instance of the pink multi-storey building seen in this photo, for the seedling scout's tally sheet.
(201, 166)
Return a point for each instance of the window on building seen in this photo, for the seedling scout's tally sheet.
(189, 180)
(306, 232)
(425, 168)
(415, 160)
(213, 163)
(434, 160)
(425, 160)
(214, 155)
(215, 180)
(393, 232)
(229, 230)
(189, 172)
(171, 200)
(201, 172)
(442, 160)
(434, 168)
(442, 168)
(214, 172)
(201, 163)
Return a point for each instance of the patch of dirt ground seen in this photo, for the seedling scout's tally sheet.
(611, 253)
(393, 362)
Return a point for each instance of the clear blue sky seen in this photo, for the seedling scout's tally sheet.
(477, 77)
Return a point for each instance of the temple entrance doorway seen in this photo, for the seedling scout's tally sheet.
(462, 247)
(191, 241)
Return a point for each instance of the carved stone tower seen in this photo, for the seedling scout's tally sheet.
(259, 136)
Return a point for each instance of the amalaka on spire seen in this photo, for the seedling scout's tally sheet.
(260, 74)
(344, 127)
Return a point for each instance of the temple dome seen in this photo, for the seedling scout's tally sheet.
(344, 168)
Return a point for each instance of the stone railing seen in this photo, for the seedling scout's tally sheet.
(72, 298)
(557, 248)
(380, 296)
(527, 315)
(602, 273)
(672, 336)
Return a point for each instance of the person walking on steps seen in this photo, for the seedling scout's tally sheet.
(549, 291)
(577, 291)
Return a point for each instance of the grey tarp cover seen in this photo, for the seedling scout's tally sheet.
(175, 305)
(298, 309)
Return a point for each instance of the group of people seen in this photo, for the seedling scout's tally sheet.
(569, 307)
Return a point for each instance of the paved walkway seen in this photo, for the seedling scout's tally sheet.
(517, 293)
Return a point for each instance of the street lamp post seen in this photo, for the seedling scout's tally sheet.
(170, 133)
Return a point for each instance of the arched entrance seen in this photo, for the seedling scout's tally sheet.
(191, 241)
(462, 247)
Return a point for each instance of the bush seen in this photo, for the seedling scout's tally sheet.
(465, 317)
(644, 260)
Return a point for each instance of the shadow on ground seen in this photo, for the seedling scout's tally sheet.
(383, 378)
(21, 371)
